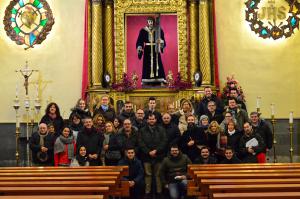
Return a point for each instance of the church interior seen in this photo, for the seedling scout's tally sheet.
(133, 50)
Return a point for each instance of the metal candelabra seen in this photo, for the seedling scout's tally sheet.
(273, 121)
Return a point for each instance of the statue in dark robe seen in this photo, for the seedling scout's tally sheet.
(150, 44)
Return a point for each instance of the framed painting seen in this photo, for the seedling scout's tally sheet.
(131, 17)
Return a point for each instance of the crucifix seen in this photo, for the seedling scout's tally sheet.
(26, 73)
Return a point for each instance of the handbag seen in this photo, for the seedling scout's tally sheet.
(113, 155)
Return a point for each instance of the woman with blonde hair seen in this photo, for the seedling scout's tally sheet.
(213, 136)
(186, 109)
(110, 139)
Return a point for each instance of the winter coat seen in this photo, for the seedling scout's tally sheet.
(197, 134)
(173, 166)
(109, 114)
(173, 134)
(136, 170)
(34, 144)
(247, 157)
(202, 106)
(93, 142)
(152, 139)
(263, 129)
(58, 122)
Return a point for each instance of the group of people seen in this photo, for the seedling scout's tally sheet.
(156, 146)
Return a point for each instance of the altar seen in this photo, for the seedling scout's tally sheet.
(186, 35)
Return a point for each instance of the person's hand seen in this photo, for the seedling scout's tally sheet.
(44, 149)
(183, 177)
(105, 147)
(250, 150)
(191, 143)
(131, 183)
(166, 186)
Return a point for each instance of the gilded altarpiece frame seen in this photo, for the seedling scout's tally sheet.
(123, 7)
(194, 38)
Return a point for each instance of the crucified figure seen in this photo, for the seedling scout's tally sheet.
(26, 73)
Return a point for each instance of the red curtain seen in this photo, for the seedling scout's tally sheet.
(84, 84)
(217, 81)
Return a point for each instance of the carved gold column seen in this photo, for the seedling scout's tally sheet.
(97, 46)
(109, 38)
(204, 43)
(194, 31)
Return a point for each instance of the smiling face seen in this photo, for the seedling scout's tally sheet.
(66, 132)
(82, 151)
(204, 153)
(228, 154)
(82, 104)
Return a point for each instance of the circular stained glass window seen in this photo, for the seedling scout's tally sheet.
(28, 22)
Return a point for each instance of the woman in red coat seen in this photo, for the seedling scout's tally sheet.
(64, 148)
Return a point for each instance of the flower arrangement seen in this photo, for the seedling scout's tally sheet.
(231, 84)
(124, 86)
(179, 84)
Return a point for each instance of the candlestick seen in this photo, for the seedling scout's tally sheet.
(17, 90)
(273, 109)
(273, 121)
(258, 103)
(291, 117)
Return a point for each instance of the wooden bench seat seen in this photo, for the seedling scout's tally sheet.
(206, 182)
(54, 191)
(261, 195)
(54, 196)
(237, 188)
(50, 178)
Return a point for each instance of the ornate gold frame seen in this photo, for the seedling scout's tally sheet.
(107, 44)
(123, 7)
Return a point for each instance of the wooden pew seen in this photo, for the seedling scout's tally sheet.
(206, 182)
(12, 191)
(247, 172)
(253, 188)
(62, 176)
(261, 195)
(54, 196)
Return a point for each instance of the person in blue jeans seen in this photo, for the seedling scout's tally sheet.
(173, 172)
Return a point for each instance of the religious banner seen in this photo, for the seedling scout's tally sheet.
(28, 22)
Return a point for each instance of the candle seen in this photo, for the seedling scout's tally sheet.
(17, 90)
(291, 117)
(273, 109)
(257, 102)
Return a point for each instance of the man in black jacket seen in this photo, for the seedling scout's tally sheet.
(152, 142)
(172, 130)
(92, 140)
(41, 144)
(173, 172)
(250, 145)
(136, 173)
(151, 109)
(209, 96)
(262, 128)
(128, 112)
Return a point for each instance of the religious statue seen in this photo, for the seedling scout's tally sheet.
(150, 44)
(134, 79)
(170, 79)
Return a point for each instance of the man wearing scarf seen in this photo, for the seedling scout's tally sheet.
(41, 145)
(104, 109)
